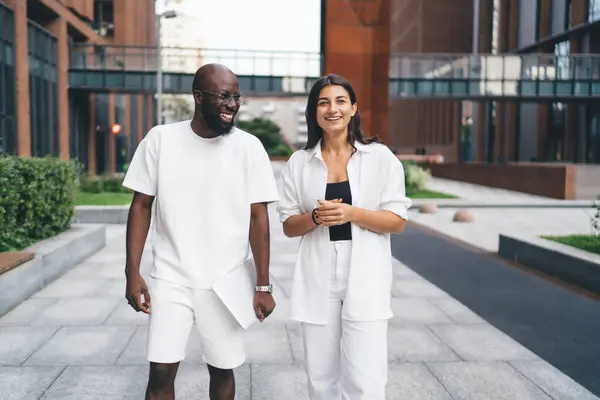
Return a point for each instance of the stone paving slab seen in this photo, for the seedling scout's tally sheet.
(78, 339)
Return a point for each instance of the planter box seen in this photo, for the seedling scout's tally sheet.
(53, 258)
(542, 179)
(572, 265)
(101, 214)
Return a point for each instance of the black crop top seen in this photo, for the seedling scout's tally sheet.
(339, 190)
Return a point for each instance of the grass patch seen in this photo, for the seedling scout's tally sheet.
(103, 199)
(429, 194)
(120, 199)
(589, 243)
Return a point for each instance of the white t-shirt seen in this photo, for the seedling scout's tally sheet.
(203, 190)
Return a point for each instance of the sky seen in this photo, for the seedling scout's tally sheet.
(275, 25)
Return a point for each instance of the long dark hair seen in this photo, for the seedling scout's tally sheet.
(315, 132)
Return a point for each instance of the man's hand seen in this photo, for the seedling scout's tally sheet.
(264, 304)
(334, 212)
(136, 288)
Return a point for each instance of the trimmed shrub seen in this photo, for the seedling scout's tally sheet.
(269, 134)
(416, 177)
(37, 197)
(102, 184)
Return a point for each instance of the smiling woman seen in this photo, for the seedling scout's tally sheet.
(344, 194)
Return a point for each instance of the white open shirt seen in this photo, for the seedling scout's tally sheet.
(377, 183)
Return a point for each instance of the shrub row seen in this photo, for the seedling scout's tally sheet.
(37, 197)
(102, 184)
(416, 177)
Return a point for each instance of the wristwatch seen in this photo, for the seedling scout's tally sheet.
(267, 288)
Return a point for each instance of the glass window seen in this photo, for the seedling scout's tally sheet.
(43, 78)
(495, 36)
(7, 84)
(554, 146)
(593, 10)
(562, 51)
(593, 134)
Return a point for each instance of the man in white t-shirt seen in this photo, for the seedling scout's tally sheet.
(210, 184)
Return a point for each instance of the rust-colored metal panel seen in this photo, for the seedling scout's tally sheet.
(58, 27)
(448, 26)
(545, 18)
(22, 77)
(82, 7)
(424, 123)
(142, 31)
(92, 137)
(74, 21)
(127, 126)
(361, 54)
(112, 159)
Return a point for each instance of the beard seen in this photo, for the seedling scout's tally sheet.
(213, 121)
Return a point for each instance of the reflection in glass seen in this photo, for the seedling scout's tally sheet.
(562, 51)
(554, 148)
(593, 10)
(593, 134)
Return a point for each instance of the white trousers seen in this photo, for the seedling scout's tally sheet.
(345, 360)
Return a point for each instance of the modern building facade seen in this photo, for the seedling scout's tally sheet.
(544, 130)
(39, 113)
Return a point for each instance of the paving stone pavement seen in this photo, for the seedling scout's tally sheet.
(78, 339)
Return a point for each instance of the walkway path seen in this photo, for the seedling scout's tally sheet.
(78, 339)
(559, 325)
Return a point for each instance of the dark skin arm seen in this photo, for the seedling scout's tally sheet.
(260, 245)
(138, 224)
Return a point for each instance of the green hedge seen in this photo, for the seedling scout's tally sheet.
(102, 184)
(37, 198)
(415, 176)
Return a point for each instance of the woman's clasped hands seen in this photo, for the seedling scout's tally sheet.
(333, 212)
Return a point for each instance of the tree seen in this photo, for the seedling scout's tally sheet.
(269, 134)
(178, 107)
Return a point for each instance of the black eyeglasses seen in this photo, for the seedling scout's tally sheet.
(238, 97)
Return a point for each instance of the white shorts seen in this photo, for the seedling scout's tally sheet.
(174, 308)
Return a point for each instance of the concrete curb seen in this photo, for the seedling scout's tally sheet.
(101, 214)
(461, 203)
(53, 257)
(578, 267)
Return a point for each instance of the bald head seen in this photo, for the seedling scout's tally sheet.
(213, 77)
